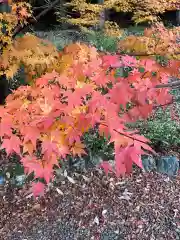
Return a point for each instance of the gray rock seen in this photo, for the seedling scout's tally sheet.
(149, 163)
(168, 165)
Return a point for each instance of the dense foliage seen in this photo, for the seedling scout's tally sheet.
(156, 40)
(143, 11)
(45, 121)
(70, 93)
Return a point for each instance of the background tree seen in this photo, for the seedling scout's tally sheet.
(5, 37)
(143, 10)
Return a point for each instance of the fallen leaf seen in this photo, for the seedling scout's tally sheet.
(71, 180)
(125, 198)
(59, 191)
(86, 178)
(65, 173)
(37, 206)
(8, 175)
(120, 183)
(126, 195)
(104, 212)
(96, 220)
(29, 195)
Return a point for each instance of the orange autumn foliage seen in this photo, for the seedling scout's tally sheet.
(156, 40)
(63, 104)
(71, 92)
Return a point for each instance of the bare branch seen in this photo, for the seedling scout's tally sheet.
(40, 7)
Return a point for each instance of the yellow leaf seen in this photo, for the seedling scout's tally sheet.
(28, 147)
(78, 149)
(11, 71)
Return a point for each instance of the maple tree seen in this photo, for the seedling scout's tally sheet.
(71, 92)
(142, 10)
(33, 53)
(156, 40)
(45, 122)
(12, 15)
(18, 13)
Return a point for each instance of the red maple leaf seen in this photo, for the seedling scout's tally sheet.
(6, 126)
(30, 134)
(111, 60)
(44, 80)
(100, 78)
(40, 167)
(48, 148)
(32, 164)
(38, 189)
(135, 156)
(11, 144)
(129, 61)
(148, 64)
(106, 166)
(120, 157)
(121, 94)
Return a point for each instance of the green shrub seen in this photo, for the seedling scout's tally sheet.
(161, 129)
(97, 149)
(102, 42)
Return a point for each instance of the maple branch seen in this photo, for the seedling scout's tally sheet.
(162, 105)
(144, 55)
(166, 104)
(19, 28)
(40, 7)
(125, 135)
(173, 84)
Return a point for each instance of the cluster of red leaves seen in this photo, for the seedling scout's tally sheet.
(45, 122)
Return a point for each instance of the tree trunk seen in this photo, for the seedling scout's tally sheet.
(102, 16)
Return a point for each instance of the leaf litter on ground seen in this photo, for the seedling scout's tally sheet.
(141, 206)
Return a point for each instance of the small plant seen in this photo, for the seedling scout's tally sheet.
(162, 129)
(163, 132)
(102, 42)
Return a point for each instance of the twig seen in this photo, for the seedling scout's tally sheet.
(166, 104)
(173, 84)
(40, 7)
(144, 55)
(123, 134)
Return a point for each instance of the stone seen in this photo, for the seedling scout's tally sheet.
(149, 163)
(168, 165)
